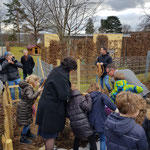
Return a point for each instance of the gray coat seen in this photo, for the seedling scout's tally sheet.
(77, 108)
(132, 79)
(24, 110)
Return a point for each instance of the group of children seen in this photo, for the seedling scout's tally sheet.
(87, 114)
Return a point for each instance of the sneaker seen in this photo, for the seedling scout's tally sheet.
(24, 140)
(32, 136)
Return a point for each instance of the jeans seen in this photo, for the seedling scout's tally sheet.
(25, 129)
(91, 140)
(102, 141)
(12, 90)
(106, 79)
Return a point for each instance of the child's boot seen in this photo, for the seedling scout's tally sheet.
(24, 139)
(30, 135)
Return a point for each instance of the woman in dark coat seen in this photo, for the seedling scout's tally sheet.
(24, 110)
(77, 109)
(51, 112)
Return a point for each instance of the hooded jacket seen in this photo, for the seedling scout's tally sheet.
(97, 115)
(51, 112)
(24, 110)
(122, 133)
(122, 85)
(77, 109)
(106, 60)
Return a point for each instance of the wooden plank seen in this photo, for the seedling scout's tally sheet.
(13, 86)
(78, 74)
(58, 62)
(9, 144)
(41, 68)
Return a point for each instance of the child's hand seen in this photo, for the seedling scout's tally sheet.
(40, 89)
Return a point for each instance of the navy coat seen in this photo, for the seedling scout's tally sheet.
(97, 115)
(122, 133)
(106, 60)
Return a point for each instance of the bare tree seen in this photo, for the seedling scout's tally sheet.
(33, 12)
(126, 28)
(68, 17)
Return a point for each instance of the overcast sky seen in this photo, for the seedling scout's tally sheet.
(128, 11)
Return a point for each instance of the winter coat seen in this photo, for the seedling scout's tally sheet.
(97, 115)
(146, 126)
(77, 112)
(132, 79)
(24, 110)
(122, 133)
(106, 60)
(122, 85)
(51, 111)
(3, 73)
(28, 64)
(12, 69)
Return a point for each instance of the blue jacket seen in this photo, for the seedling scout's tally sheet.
(122, 133)
(97, 115)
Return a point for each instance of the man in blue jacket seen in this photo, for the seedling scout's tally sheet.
(104, 59)
(11, 66)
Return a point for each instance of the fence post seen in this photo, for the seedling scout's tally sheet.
(58, 62)
(147, 64)
(41, 68)
(78, 74)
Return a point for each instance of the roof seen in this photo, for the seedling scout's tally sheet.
(32, 46)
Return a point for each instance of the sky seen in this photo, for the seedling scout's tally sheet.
(128, 11)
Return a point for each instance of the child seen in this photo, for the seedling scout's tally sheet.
(97, 115)
(121, 130)
(77, 107)
(24, 110)
(146, 126)
(122, 85)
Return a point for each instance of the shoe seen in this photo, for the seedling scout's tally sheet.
(24, 140)
(30, 135)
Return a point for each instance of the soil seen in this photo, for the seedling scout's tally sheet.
(65, 140)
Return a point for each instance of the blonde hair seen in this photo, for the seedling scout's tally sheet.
(128, 102)
(119, 76)
(32, 79)
(94, 87)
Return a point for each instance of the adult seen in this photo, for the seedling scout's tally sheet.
(11, 66)
(104, 59)
(129, 76)
(28, 64)
(52, 104)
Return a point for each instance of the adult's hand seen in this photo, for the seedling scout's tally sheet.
(10, 61)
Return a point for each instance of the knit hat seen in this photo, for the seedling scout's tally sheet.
(7, 53)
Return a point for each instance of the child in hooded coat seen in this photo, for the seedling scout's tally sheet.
(97, 115)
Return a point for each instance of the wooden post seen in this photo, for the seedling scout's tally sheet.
(41, 68)
(9, 145)
(78, 74)
(58, 62)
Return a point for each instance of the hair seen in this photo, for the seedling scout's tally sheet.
(128, 102)
(32, 79)
(104, 48)
(69, 64)
(119, 76)
(94, 87)
(112, 66)
(25, 50)
(8, 54)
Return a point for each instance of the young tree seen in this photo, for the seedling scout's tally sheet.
(110, 25)
(89, 27)
(13, 16)
(126, 28)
